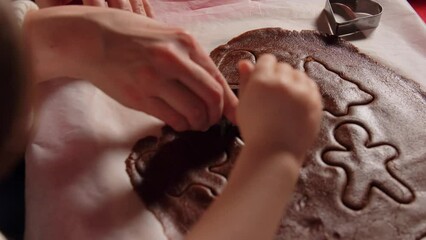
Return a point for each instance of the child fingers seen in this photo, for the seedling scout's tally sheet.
(245, 69)
(265, 67)
(284, 72)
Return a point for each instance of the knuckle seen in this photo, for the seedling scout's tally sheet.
(268, 56)
(176, 121)
(307, 79)
(216, 95)
(285, 66)
(282, 87)
(183, 34)
(197, 118)
(166, 47)
(262, 77)
(163, 51)
(270, 86)
(196, 114)
(299, 75)
(185, 38)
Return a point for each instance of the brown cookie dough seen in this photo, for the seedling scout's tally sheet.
(364, 178)
(179, 174)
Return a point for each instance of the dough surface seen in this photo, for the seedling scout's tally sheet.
(364, 178)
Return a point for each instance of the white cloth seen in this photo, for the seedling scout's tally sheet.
(21, 8)
(77, 187)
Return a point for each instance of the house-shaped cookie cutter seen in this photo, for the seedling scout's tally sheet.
(366, 15)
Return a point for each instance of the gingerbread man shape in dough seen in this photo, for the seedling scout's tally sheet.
(366, 165)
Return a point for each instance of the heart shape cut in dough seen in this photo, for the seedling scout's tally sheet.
(359, 15)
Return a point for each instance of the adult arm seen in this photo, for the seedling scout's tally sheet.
(143, 64)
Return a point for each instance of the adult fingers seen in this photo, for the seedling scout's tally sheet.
(200, 82)
(72, 2)
(161, 110)
(230, 104)
(120, 4)
(51, 3)
(148, 8)
(137, 7)
(142, 7)
(205, 87)
(98, 3)
(185, 102)
(129, 5)
(200, 57)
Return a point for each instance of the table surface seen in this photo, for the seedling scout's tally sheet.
(418, 5)
(85, 154)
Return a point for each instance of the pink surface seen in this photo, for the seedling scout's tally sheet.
(77, 187)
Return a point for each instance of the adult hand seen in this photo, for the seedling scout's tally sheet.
(287, 117)
(137, 6)
(143, 64)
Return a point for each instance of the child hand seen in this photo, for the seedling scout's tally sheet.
(280, 108)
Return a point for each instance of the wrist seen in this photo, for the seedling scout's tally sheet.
(283, 161)
(272, 148)
(57, 43)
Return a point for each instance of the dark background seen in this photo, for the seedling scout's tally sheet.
(420, 7)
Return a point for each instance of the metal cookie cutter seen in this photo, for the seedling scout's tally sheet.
(365, 14)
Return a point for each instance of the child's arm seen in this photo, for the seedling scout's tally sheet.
(278, 115)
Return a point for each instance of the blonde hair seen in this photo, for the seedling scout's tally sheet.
(13, 90)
